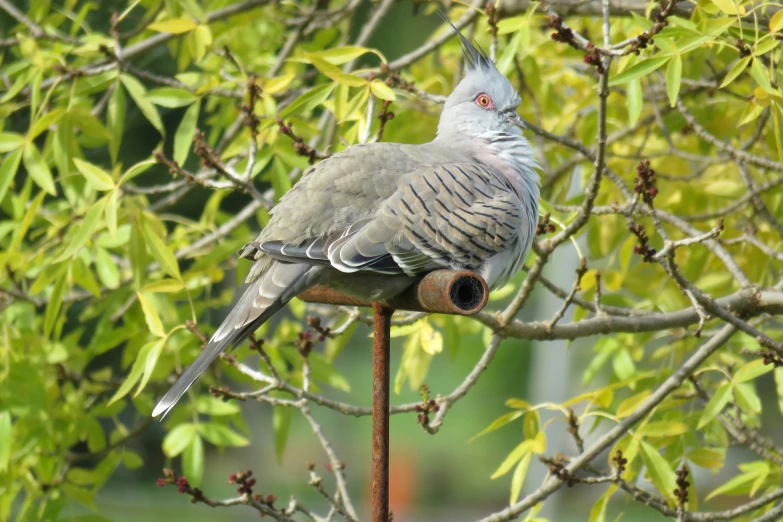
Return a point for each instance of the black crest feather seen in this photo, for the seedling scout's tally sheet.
(475, 56)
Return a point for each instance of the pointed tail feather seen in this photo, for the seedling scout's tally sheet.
(263, 298)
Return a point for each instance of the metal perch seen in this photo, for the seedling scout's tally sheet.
(455, 292)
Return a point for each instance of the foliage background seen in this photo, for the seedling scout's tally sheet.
(111, 255)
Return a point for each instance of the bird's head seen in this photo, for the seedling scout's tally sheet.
(483, 102)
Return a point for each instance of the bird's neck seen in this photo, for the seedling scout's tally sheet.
(511, 155)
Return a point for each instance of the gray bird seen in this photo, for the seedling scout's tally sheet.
(466, 200)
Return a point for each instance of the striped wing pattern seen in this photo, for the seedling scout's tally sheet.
(456, 215)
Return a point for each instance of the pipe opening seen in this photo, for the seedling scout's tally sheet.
(466, 293)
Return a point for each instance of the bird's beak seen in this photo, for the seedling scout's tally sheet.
(515, 119)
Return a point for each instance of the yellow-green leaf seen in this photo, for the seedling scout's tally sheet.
(171, 97)
(631, 404)
(517, 453)
(151, 316)
(382, 91)
(138, 93)
(716, 405)
(164, 286)
(662, 429)
(85, 229)
(161, 252)
(730, 7)
(660, 472)
(38, 169)
(334, 73)
(642, 68)
(518, 479)
(149, 363)
(673, 79)
(10, 141)
(751, 370)
(776, 22)
(174, 25)
(735, 71)
(96, 177)
(183, 139)
(8, 169)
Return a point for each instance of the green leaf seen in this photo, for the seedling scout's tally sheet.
(151, 316)
(634, 100)
(171, 97)
(746, 398)
(115, 117)
(764, 46)
(84, 230)
(96, 177)
(43, 123)
(731, 7)
(139, 168)
(660, 472)
(309, 100)
(178, 439)
(382, 91)
(174, 25)
(6, 437)
(183, 139)
(281, 422)
(518, 478)
(500, 422)
(716, 405)
(777, 123)
(662, 429)
(598, 512)
(673, 79)
(530, 425)
(209, 405)
(776, 22)
(112, 201)
(707, 458)
(8, 170)
(751, 371)
(522, 449)
(761, 75)
(165, 286)
(138, 93)
(631, 404)
(38, 169)
(737, 485)
(10, 141)
(193, 461)
(642, 68)
(89, 124)
(160, 252)
(736, 70)
(107, 269)
(135, 374)
(150, 360)
(221, 435)
(137, 253)
(341, 55)
(779, 387)
(334, 73)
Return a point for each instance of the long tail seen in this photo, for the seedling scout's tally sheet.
(263, 298)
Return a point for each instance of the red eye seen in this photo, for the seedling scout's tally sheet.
(484, 101)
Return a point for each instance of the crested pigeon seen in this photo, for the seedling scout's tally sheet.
(467, 200)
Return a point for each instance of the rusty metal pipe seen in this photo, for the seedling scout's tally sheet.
(455, 292)
(380, 413)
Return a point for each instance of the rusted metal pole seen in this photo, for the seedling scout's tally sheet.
(380, 412)
(456, 292)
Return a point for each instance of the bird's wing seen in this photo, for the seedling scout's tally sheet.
(455, 215)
